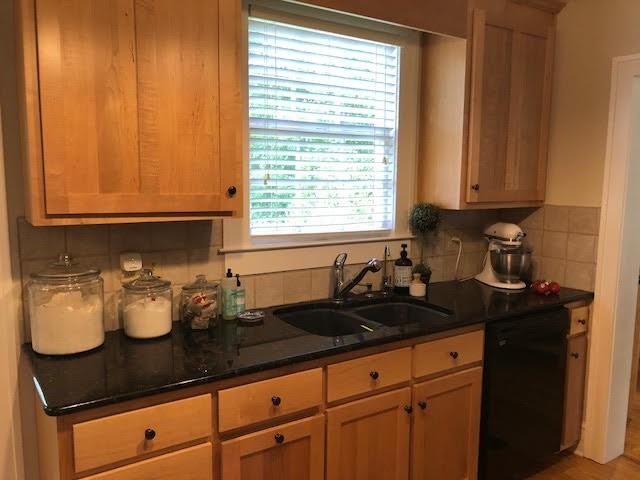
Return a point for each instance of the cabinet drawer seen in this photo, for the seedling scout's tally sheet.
(121, 437)
(579, 320)
(195, 463)
(447, 353)
(273, 398)
(368, 374)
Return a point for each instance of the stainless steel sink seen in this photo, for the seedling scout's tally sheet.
(393, 314)
(326, 322)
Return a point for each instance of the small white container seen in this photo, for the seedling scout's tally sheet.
(417, 288)
(147, 306)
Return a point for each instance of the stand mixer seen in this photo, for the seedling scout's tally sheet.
(504, 263)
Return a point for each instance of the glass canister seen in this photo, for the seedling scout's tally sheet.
(66, 308)
(147, 306)
(199, 304)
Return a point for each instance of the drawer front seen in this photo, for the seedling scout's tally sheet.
(195, 463)
(368, 374)
(268, 399)
(447, 353)
(579, 320)
(122, 437)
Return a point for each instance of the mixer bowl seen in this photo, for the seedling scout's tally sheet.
(508, 266)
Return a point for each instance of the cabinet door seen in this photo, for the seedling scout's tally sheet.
(574, 390)
(369, 439)
(294, 451)
(509, 110)
(446, 428)
(131, 106)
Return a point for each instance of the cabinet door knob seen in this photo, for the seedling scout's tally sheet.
(279, 437)
(276, 401)
(575, 355)
(408, 409)
(582, 322)
(232, 190)
(475, 187)
(373, 374)
(422, 404)
(149, 434)
(453, 355)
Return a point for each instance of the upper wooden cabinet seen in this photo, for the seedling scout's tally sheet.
(131, 108)
(485, 144)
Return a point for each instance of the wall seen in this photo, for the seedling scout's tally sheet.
(590, 34)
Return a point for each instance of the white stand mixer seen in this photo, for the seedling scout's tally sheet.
(501, 236)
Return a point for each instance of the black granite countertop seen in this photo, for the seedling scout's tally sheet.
(124, 369)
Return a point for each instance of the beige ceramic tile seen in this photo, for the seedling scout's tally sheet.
(111, 311)
(471, 264)
(533, 240)
(536, 268)
(170, 265)
(269, 290)
(217, 233)
(556, 218)
(207, 261)
(533, 220)
(133, 237)
(554, 244)
(437, 269)
(168, 236)
(40, 242)
(102, 262)
(584, 220)
(320, 283)
(580, 275)
(449, 267)
(86, 240)
(434, 244)
(581, 248)
(200, 234)
(248, 283)
(297, 286)
(553, 270)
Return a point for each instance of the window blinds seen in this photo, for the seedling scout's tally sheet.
(323, 120)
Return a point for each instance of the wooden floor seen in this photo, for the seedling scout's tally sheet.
(574, 467)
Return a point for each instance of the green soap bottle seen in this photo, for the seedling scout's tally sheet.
(229, 311)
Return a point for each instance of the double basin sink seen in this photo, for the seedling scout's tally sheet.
(361, 316)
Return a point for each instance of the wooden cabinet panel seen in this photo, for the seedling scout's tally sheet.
(294, 451)
(446, 428)
(121, 437)
(369, 439)
(195, 463)
(447, 353)
(579, 320)
(272, 398)
(574, 390)
(368, 374)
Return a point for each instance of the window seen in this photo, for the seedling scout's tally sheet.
(323, 114)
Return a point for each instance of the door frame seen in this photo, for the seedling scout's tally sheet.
(614, 307)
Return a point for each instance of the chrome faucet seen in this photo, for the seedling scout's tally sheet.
(342, 288)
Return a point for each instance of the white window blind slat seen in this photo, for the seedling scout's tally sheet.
(323, 122)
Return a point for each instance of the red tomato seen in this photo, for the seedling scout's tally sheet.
(554, 287)
(542, 288)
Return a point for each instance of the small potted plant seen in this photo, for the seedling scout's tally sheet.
(424, 219)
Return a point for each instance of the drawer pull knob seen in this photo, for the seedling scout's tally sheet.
(408, 409)
(422, 404)
(475, 187)
(575, 355)
(375, 375)
(276, 401)
(149, 434)
(279, 437)
(232, 190)
(454, 355)
(582, 321)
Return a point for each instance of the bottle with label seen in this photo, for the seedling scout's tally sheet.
(229, 296)
(402, 272)
(240, 296)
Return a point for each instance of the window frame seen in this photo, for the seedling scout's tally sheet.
(237, 240)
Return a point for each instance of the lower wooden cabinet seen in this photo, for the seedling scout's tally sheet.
(369, 439)
(574, 389)
(293, 451)
(446, 428)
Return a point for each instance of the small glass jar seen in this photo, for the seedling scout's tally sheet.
(66, 308)
(199, 304)
(147, 306)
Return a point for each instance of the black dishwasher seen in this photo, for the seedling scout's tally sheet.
(523, 394)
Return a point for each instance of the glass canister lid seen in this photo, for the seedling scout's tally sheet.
(147, 282)
(66, 269)
(200, 283)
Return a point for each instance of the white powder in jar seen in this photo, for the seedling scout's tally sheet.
(148, 317)
(68, 323)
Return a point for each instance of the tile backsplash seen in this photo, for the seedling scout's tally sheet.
(564, 240)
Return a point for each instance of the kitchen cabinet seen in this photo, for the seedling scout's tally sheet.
(574, 390)
(446, 427)
(292, 451)
(132, 110)
(369, 439)
(485, 106)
